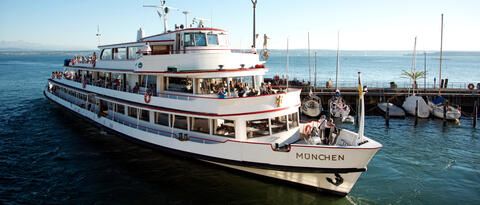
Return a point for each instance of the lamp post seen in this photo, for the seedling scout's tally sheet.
(186, 18)
(254, 2)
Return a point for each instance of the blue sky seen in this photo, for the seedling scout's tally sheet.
(363, 25)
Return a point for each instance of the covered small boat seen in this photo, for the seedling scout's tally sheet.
(438, 106)
(393, 110)
(410, 104)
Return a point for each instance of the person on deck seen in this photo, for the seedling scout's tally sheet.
(94, 59)
(222, 93)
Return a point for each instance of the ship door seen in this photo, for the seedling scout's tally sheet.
(177, 44)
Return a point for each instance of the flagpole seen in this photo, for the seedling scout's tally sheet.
(361, 120)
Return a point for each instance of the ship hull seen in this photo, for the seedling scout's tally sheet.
(297, 166)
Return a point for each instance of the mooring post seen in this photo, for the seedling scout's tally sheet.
(387, 114)
(475, 114)
(445, 107)
(416, 113)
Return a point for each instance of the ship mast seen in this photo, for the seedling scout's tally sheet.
(338, 60)
(286, 67)
(441, 54)
(309, 65)
(414, 64)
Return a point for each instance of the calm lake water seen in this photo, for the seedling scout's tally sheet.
(49, 156)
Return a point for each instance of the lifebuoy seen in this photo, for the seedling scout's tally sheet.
(147, 97)
(471, 86)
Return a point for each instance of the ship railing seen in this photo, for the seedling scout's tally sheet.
(178, 96)
(143, 128)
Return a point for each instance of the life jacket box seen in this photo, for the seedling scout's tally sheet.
(66, 62)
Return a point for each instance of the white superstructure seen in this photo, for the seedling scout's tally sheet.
(187, 92)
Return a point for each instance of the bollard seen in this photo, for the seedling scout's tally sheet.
(416, 113)
(387, 114)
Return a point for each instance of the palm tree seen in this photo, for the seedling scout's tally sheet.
(413, 76)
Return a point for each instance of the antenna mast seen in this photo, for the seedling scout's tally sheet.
(98, 35)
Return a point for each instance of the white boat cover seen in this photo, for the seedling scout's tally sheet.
(410, 104)
(394, 111)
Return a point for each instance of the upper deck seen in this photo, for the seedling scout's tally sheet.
(180, 50)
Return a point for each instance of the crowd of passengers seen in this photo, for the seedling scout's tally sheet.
(105, 82)
(84, 59)
(240, 89)
(237, 89)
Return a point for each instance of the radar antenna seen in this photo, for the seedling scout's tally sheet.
(162, 11)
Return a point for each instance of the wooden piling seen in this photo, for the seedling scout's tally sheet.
(475, 114)
(387, 114)
(445, 108)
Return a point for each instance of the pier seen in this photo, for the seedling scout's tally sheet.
(457, 96)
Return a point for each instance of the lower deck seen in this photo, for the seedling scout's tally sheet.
(282, 129)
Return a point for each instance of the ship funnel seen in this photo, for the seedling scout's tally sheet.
(140, 34)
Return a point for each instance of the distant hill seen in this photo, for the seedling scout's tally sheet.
(29, 46)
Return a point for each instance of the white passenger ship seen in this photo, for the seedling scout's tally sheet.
(185, 91)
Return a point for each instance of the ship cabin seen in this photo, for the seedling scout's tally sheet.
(185, 83)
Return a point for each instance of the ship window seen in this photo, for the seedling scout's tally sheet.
(257, 128)
(279, 124)
(144, 115)
(199, 125)
(110, 105)
(161, 118)
(160, 49)
(293, 120)
(224, 128)
(179, 85)
(120, 53)
(151, 82)
(195, 39)
(132, 112)
(106, 54)
(180, 122)
(188, 39)
(134, 53)
(120, 109)
(212, 39)
(200, 39)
